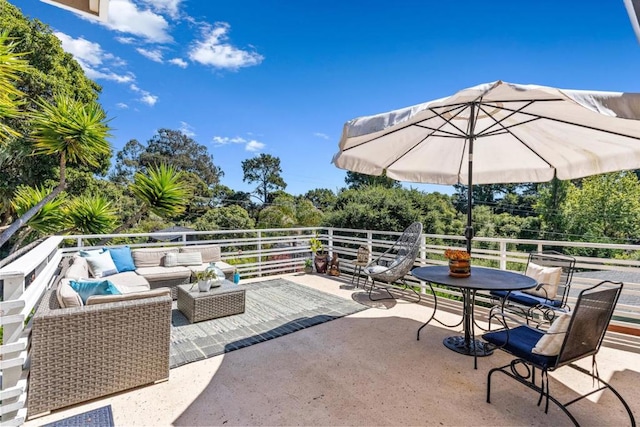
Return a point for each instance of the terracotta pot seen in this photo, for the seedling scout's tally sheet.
(321, 262)
(459, 268)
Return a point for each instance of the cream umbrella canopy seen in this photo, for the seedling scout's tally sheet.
(497, 133)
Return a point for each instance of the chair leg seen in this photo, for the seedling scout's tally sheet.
(379, 299)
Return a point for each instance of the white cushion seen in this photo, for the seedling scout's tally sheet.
(67, 296)
(549, 277)
(103, 299)
(154, 274)
(210, 253)
(101, 265)
(375, 269)
(551, 342)
(183, 258)
(150, 257)
(129, 281)
(79, 269)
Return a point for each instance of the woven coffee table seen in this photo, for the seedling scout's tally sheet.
(221, 301)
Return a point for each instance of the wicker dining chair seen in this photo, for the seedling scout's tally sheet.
(392, 265)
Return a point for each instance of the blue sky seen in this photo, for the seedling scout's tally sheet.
(282, 77)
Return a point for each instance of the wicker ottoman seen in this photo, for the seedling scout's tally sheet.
(224, 300)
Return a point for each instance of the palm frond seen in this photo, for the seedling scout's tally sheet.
(90, 215)
(49, 219)
(162, 190)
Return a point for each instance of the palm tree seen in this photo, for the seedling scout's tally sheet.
(162, 191)
(49, 219)
(75, 132)
(89, 215)
(10, 66)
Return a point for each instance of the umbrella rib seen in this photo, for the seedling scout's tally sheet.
(499, 106)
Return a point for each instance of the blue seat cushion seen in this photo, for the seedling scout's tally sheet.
(519, 342)
(526, 299)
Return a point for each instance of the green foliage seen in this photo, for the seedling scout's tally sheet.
(373, 208)
(161, 190)
(264, 170)
(49, 219)
(75, 131)
(11, 64)
(288, 211)
(355, 180)
(90, 215)
(231, 217)
(322, 198)
(606, 208)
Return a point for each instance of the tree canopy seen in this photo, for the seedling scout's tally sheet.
(264, 170)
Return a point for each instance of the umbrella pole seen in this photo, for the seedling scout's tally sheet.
(468, 232)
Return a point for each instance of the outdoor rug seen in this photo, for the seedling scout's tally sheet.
(273, 308)
(99, 417)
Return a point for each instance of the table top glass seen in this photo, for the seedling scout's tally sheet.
(481, 278)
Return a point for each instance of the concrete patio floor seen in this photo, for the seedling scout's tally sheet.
(364, 369)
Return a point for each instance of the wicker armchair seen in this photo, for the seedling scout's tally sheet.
(82, 353)
(397, 261)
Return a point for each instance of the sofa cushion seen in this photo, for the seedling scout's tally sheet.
(87, 288)
(122, 258)
(182, 258)
(129, 281)
(210, 253)
(103, 299)
(67, 296)
(101, 265)
(154, 274)
(79, 269)
(150, 257)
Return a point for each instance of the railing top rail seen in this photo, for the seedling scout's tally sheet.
(26, 264)
(188, 233)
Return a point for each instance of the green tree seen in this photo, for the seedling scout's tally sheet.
(161, 191)
(322, 198)
(89, 215)
(605, 208)
(47, 219)
(71, 131)
(288, 211)
(355, 180)
(11, 64)
(231, 217)
(265, 171)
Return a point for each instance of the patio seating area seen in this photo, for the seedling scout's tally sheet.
(365, 369)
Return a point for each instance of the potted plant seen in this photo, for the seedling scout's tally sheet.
(204, 278)
(459, 262)
(308, 266)
(321, 258)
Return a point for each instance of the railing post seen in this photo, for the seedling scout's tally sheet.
(423, 260)
(370, 244)
(330, 242)
(259, 253)
(503, 255)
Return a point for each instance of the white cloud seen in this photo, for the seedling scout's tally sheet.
(125, 17)
(145, 97)
(122, 105)
(187, 129)
(170, 7)
(214, 50)
(254, 146)
(95, 62)
(321, 135)
(126, 40)
(179, 62)
(249, 145)
(152, 54)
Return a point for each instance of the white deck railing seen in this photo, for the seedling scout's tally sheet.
(267, 252)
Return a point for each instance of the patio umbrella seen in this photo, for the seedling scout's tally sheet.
(497, 133)
(633, 7)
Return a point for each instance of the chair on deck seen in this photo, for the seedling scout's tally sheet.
(571, 337)
(397, 261)
(554, 272)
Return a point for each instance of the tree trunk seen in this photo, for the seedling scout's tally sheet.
(17, 224)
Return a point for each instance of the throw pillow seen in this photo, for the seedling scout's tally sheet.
(174, 259)
(122, 258)
(551, 342)
(67, 296)
(549, 277)
(90, 252)
(87, 288)
(101, 265)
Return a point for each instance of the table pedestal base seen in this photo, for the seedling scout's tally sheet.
(474, 348)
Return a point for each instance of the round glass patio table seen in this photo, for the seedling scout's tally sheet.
(485, 279)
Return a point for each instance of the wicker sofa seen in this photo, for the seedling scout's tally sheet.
(82, 353)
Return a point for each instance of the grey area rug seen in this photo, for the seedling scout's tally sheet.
(273, 308)
(99, 417)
